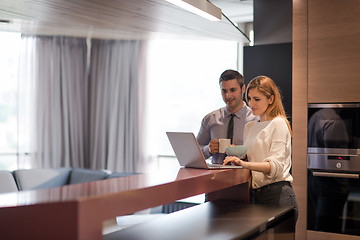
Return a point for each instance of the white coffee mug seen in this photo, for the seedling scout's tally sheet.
(223, 143)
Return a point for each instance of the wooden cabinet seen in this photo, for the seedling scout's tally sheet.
(326, 62)
(333, 51)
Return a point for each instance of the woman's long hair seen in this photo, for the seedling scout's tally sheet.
(267, 86)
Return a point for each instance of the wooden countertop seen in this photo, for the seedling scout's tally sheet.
(220, 219)
(78, 211)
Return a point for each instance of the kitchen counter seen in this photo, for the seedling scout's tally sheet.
(78, 211)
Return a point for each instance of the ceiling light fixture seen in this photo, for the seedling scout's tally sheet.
(4, 21)
(202, 8)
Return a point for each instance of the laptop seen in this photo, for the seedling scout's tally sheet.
(188, 152)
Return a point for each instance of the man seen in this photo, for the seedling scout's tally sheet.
(215, 124)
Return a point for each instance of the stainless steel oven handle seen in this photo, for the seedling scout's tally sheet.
(338, 175)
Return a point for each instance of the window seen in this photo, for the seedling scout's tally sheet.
(183, 86)
(9, 48)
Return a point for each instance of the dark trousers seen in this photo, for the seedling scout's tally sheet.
(276, 194)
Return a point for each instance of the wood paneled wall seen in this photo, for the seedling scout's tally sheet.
(299, 107)
(326, 60)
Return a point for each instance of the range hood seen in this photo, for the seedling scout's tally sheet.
(111, 19)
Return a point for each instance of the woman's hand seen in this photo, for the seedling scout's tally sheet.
(234, 160)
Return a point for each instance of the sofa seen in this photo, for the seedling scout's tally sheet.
(33, 179)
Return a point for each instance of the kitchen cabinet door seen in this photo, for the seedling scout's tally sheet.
(333, 51)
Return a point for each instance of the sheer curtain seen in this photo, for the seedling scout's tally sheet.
(53, 92)
(116, 98)
(79, 117)
(26, 103)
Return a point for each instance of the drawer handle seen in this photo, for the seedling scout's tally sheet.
(339, 175)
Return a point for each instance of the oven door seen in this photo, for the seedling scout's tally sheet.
(333, 127)
(334, 202)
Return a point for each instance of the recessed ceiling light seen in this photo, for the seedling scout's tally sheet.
(202, 8)
(4, 21)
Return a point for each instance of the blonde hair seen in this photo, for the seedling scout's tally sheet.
(267, 86)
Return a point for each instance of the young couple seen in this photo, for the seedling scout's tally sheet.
(263, 127)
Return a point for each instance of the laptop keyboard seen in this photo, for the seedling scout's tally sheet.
(218, 166)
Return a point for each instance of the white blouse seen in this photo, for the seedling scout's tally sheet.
(269, 141)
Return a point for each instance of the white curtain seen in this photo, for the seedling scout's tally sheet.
(117, 85)
(79, 117)
(53, 88)
(26, 103)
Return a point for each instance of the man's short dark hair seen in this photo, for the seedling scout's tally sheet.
(232, 74)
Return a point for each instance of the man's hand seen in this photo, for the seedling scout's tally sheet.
(214, 146)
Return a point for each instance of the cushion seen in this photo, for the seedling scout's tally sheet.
(28, 179)
(121, 174)
(7, 182)
(80, 175)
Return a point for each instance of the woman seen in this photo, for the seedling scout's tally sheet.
(269, 146)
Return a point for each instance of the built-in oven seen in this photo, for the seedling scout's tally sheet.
(334, 168)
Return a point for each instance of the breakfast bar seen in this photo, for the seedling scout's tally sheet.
(77, 212)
